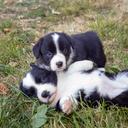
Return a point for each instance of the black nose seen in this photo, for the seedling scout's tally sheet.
(45, 94)
(59, 64)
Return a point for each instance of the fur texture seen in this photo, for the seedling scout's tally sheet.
(39, 83)
(81, 80)
(56, 51)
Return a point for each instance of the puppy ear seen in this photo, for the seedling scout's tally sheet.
(37, 48)
(69, 39)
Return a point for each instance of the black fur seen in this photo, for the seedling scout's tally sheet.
(43, 76)
(88, 46)
(95, 99)
(40, 76)
(45, 49)
(85, 46)
(31, 92)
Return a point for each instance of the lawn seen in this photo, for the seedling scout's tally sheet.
(22, 22)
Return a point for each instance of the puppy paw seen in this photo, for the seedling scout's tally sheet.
(66, 105)
(88, 65)
(85, 65)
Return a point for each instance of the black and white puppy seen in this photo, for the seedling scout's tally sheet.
(81, 80)
(39, 83)
(56, 51)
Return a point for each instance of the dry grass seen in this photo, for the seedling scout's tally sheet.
(29, 21)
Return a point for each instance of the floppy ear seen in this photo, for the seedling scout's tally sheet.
(69, 39)
(37, 47)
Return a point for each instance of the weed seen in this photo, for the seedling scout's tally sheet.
(5, 24)
(17, 110)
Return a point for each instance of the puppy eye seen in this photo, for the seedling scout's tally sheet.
(49, 54)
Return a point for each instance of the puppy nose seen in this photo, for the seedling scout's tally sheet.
(59, 64)
(45, 94)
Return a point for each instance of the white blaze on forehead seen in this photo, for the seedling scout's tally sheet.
(55, 37)
(29, 82)
(59, 56)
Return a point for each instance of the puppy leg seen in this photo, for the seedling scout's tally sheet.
(67, 104)
(56, 99)
(81, 65)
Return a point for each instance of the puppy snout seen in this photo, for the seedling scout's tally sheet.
(59, 64)
(45, 94)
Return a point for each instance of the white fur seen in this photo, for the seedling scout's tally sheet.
(55, 37)
(67, 107)
(123, 78)
(70, 57)
(59, 57)
(77, 66)
(28, 82)
(48, 87)
(71, 81)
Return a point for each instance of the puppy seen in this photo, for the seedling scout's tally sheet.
(39, 83)
(56, 51)
(84, 81)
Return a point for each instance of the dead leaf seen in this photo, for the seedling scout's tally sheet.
(9, 2)
(3, 89)
(6, 30)
(13, 64)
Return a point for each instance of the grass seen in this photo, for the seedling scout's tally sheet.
(38, 12)
(5, 24)
(103, 16)
(112, 30)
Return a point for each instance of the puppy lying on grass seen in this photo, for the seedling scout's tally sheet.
(82, 80)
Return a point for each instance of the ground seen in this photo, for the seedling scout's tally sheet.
(22, 22)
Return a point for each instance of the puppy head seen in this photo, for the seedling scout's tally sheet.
(39, 83)
(54, 51)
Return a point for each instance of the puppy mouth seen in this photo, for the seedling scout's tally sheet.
(61, 69)
(49, 99)
(52, 97)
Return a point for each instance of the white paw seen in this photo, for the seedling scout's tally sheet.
(81, 65)
(87, 65)
(68, 104)
(101, 69)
